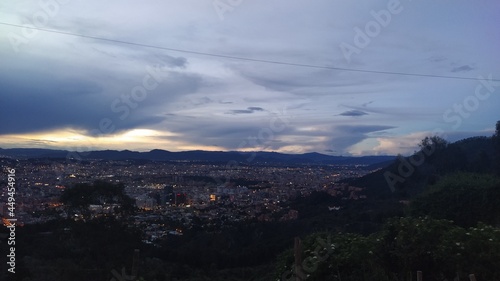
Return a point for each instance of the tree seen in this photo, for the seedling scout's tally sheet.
(406, 245)
(465, 198)
(433, 145)
(496, 146)
(79, 197)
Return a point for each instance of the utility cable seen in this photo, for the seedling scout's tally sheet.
(244, 58)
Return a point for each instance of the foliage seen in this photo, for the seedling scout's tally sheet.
(476, 249)
(405, 245)
(496, 146)
(79, 197)
(434, 159)
(332, 257)
(465, 198)
(433, 145)
(69, 250)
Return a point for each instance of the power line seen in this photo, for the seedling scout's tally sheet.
(243, 58)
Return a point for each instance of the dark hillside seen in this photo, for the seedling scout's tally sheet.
(407, 177)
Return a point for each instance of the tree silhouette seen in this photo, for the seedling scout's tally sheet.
(496, 146)
(79, 197)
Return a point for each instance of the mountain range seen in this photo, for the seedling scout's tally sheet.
(198, 155)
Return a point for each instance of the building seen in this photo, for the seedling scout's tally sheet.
(168, 195)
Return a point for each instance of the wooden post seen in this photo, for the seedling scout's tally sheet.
(135, 263)
(298, 259)
(419, 275)
(472, 277)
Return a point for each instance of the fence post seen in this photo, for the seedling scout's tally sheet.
(419, 275)
(135, 262)
(472, 277)
(298, 258)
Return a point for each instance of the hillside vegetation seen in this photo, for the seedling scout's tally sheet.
(450, 227)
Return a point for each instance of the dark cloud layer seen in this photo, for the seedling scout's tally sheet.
(50, 103)
(353, 113)
(249, 110)
(463, 68)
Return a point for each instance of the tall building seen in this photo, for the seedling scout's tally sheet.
(180, 199)
(168, 195)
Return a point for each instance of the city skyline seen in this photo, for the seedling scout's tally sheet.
(333, 77)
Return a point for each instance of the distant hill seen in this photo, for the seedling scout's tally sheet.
(198, 155)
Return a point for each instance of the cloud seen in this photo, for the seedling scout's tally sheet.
(463, 68)
(241, 111)
(353, 113)
(228, 134)
(201, 101)
(255, 108)
(345, 136)
(367, 103)
(407, 144)
(171, 61)
(249, 110)
(437, 58)
(294, 80)
(49, 102)
(60, 82)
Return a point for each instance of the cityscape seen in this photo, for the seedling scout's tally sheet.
(184, 218)
(238, 140)
(181, 192)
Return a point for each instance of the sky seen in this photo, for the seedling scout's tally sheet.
(335, 77)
